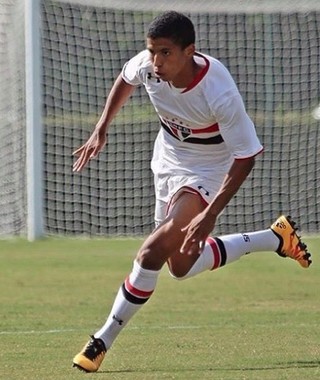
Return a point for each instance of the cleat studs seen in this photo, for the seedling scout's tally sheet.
(78, 367)
(290, 220)
(292, 223)
(303, 246)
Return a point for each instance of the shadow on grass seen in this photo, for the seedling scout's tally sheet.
(280, 365)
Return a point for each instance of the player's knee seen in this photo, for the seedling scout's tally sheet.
(150, 258)
(177, 276)
(177, 270)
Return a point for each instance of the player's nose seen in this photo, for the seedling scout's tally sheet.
(157, 61)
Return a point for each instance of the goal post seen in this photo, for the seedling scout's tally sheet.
(270, 47)
(34, 142)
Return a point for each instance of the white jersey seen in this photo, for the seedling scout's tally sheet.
(204, 126)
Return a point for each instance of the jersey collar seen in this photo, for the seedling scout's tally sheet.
(200, 75)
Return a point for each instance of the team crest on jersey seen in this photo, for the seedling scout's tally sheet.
(178, 130)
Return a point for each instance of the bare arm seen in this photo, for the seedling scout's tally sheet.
(238, 172)
(201, 226)
(118, 96)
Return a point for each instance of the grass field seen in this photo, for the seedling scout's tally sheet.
(258, 318)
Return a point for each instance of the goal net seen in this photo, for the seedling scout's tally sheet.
(272, 50)
(12, 119)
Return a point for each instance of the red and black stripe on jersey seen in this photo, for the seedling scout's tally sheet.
(134, 295)
(186, 133)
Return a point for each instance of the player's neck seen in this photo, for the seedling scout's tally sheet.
(187, 76)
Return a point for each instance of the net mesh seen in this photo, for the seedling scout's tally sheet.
(274, 58)
(12, 119)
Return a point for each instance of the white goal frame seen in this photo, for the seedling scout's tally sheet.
(34, 128)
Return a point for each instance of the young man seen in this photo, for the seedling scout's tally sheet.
(205, 149)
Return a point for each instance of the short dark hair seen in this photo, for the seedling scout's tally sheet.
(175, 26)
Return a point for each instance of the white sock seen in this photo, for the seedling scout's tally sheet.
(237, 245)
(134, 292)
(204, 262)
(228, 248)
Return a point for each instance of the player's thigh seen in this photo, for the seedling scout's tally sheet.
(167, 238)
(167, 187)
(178, 263)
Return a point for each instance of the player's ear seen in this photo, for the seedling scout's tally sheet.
(189, 50)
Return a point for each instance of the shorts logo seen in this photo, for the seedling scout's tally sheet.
(203, 190)
(246, 238)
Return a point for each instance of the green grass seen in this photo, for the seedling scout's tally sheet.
(255, 319)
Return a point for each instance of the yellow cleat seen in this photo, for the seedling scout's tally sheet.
(290, 243)
(91, 356)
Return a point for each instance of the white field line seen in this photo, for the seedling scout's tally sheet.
(143, 328)
(61, 331)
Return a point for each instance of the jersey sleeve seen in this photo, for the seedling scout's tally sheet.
(132, 72)
(236, 127)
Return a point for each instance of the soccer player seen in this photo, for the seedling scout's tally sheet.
(205, 149)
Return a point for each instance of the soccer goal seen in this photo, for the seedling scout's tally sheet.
(271, 48)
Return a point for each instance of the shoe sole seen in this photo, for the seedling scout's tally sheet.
(80, 368)
(301, 244)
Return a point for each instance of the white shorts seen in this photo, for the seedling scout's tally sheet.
(167, 186)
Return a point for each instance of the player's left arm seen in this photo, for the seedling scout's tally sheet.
(201, 226)
(237, 174)
(240, 138)
(239, 135)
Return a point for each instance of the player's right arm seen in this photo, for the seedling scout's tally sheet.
(118, 96)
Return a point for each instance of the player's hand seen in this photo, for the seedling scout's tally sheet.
(89, 150)
(197, 232)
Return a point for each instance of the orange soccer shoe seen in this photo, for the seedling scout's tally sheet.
(290, 243)
(91, 356)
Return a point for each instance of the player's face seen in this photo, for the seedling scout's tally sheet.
(170, 61)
